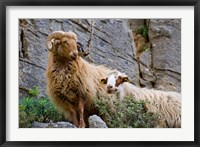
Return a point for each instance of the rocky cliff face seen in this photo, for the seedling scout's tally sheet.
(165, 36)
(112, 44)
(160, 59)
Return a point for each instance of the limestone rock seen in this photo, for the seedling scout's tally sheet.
(145, 59)
(144, 83)
(135, 24)
(96, 122)
(53, 125)
(147, 74)
(165, 36)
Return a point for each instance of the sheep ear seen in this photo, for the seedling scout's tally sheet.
(80, 47)
(81, 51)
(104, 81)
(125, 79)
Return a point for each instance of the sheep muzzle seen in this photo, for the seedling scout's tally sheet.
(73, 55)
(111, 89)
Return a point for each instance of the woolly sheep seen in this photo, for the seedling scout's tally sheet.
(72, 82)
(167, 104)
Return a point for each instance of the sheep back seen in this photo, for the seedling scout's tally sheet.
(167, 103)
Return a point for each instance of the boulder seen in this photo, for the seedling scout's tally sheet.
(96, 122)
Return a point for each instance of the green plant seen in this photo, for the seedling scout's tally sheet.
(25, 119)
(127, 114)
(33, 109)
(143, 30)
(41, 110)
(34, 91)
(146, 48)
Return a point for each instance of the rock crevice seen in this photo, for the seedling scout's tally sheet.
(160, 61)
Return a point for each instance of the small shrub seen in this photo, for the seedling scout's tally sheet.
(34, 91)
(40, 110)
(146, 48)
(33, 109)
(143, 30)
(25, 119)
(127, 114)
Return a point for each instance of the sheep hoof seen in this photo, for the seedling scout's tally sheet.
(82, 124)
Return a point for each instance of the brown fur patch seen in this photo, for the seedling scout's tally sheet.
(119, 81)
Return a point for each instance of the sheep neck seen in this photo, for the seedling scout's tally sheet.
(61, 62)
(121, 92)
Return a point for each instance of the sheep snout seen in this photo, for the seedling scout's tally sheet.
(110, 86)
(73, 55)
(111, 89)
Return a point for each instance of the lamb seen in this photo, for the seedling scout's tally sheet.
(167, 104)
(72, 82)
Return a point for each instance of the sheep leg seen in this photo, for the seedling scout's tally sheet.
(81, 112)
(74, 118)
(73, 115)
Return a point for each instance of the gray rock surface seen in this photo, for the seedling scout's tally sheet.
(165, 36)
(147, 76)
(146, 71)
(145, 59)
(112, 45)
(135, 24)
(53, 125)
(96, 122)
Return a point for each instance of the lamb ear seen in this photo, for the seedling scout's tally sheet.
(125, 79)
(104, 81)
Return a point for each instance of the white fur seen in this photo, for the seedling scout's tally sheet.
(111, 80)
(120, 90)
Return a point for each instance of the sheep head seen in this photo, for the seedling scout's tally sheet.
(113, 81)
(64, 44)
